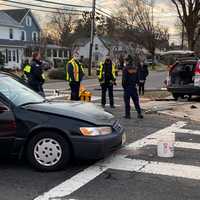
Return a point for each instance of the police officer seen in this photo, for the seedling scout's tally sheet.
(130, 80)
(36, 77)
(107, 78)
(74, 74)
(143, 73)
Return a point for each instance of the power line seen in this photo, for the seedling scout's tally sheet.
(40, 10)
(40, 6)
(63, 4)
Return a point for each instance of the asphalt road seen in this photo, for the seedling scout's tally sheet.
(154, 80)
(130, 173)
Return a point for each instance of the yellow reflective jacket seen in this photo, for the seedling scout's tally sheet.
(101, 72)
(74, 71)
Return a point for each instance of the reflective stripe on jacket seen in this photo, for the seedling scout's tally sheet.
(77, 71)
(102, 72)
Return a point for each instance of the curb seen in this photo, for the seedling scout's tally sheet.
(147, 89)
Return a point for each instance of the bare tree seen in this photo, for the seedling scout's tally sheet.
(141, 28)
(189, 14)
(61, 27)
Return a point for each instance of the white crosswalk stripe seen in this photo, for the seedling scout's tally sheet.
(120, 161)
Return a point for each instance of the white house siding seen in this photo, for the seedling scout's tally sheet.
(101, 52)
(14, 61)
(4, 33)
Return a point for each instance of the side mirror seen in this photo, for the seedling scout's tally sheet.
(3, 108)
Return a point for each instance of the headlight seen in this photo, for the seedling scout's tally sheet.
(95, 131)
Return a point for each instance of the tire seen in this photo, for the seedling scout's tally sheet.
(189, 97)
(48, 151)
(175, 96)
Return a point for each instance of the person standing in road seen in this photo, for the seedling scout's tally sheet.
(130, 80)
(143, 73)
(107, 78)
(74, 74)
(36, 78)
(26, 70)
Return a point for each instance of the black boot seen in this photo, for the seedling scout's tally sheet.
(127, 117)
(140, 116)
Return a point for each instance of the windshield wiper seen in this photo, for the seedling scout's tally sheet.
(29, 103)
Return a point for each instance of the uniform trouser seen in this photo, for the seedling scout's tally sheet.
(38, 88)
(131, 93)
(75, 88)
(141, 87)
(104, 88)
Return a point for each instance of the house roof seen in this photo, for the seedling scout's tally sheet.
(17, 14)
(6, 20)
(81, 42)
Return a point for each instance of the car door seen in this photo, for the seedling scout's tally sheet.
(7, 128)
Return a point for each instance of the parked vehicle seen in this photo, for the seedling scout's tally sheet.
(51, 133)
(183, 78)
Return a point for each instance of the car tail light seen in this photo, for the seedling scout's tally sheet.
(197, 68)
(12, 125)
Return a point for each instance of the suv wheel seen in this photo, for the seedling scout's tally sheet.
(48, 151)
(175, 96)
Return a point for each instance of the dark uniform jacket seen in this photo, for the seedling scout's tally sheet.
(143, 72)
(36, 75)
(129, 80)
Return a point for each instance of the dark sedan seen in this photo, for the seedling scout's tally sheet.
(51, 133)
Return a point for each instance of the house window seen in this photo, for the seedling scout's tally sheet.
(55, 53)
(96, 57)
(14, 56)
(28, 52)
(11, 33)
(49, 53)
(60, 53)
(96, 47)
(35, 36)
(66, 53)
(28, 21)
(9, 56)
(23, 35)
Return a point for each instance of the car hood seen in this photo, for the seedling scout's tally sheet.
(78, 110)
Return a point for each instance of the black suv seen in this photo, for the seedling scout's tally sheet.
(184, 78)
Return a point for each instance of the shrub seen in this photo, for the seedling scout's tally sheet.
(58, 74)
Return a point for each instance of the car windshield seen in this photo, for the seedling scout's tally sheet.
(18, 93)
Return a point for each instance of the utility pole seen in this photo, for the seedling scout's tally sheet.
(182, 36)
(92, 36)
(152, 11)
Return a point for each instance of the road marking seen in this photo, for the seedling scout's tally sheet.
(188, 145)
(189, 131)
(153, 138)
(73, 184)
(118, 161)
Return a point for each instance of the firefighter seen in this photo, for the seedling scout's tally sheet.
(26, 70)
(74, 75)
(130, 80)
(36, 78)
(107, 78)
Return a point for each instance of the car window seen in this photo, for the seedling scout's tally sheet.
(18, 93)
(178, 68)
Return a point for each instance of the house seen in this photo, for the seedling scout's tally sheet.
(20, 36)
(103, 46)
(10, 44)
(100, 50)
